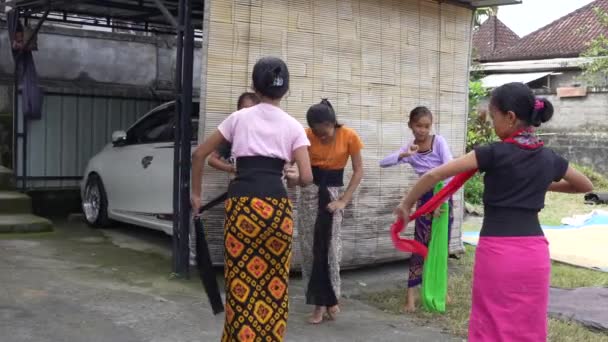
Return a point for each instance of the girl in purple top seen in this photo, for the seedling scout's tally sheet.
(425, 153)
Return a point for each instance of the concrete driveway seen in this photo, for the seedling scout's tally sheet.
(78, 284)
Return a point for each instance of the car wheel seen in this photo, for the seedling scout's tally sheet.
(95, 203)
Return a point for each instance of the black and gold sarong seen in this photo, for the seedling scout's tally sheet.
(258, 237)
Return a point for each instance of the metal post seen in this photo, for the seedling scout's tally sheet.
(16, 134)
(178, 237)
(24, 119)
(24, 122)
(186, 133)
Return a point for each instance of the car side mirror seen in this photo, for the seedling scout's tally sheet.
(119, 138)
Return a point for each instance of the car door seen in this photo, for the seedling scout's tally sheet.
(128, 166)
(160, 171)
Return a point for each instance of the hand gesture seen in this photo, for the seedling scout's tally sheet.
(292, 174)
(402, 212)
(413, 149)
(195, 202)
(437, 212)
(336, 205)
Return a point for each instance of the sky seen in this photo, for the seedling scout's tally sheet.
(534, 14)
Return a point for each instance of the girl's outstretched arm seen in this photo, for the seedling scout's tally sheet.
(398, 157)
(574, 182)
(428, 181)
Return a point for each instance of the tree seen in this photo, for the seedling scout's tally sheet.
(480, 130)
(595, 72)
(482, 13)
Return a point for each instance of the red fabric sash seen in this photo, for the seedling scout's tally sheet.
(416, 247)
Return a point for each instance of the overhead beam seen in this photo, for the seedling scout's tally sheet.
(144, 13)
(36, 29)
(170, 18)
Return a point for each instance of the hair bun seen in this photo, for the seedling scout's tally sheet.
(543, 111)
(270, 77)
(326, 102)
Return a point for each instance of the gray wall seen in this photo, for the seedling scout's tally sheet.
(579, 129)
(583, 114)
(565, 79)
(72, 129)
(95, 82)
(588, 149)
(80, 56)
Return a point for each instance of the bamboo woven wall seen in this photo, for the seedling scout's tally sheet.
(375, 60)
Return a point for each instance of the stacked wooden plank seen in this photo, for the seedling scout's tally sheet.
(375, 60)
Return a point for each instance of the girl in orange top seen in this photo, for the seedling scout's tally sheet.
(321, 206)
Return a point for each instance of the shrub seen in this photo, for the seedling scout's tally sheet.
(473, 190)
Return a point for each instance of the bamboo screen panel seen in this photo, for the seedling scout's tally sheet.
(375, 61)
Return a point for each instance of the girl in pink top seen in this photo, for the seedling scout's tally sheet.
(259, 225)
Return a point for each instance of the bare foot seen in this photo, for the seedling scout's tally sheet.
(410, 302)
(409, 308)
(333, 311)
(317, 316)
(448, 300)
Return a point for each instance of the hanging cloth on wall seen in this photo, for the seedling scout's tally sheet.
(25, 68)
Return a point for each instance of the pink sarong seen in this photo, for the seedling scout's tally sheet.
(510, 290)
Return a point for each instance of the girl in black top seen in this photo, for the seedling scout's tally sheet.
(512, 265)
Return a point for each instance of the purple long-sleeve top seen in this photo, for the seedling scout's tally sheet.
(421, 162)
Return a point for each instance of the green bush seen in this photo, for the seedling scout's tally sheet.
(473, 190)
(480, 130)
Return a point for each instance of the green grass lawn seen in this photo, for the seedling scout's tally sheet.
(455, 320)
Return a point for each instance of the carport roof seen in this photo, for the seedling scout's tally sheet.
(136, 15)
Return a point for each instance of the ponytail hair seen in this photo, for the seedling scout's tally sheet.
(320, 113)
